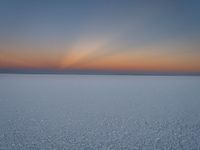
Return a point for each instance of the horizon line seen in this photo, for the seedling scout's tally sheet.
(105, 73)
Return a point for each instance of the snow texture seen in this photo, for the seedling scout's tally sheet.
(99, 112)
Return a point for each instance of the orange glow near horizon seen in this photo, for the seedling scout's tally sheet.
(87, 58)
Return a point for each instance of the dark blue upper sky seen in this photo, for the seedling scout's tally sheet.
(66, 19)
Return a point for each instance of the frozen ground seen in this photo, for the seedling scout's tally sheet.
(99, 112)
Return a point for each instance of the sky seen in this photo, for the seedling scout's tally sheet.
(100, 36)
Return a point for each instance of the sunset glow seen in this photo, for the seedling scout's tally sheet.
(141, 37)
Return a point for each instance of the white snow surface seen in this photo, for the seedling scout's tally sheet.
(99, 112)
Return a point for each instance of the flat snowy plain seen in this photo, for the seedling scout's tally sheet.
(99, 112)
